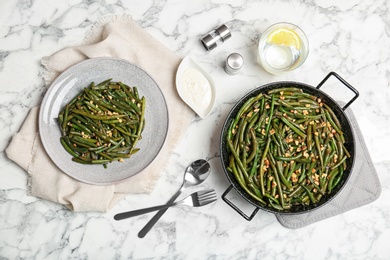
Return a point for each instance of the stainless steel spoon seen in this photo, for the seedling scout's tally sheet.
(195, 174)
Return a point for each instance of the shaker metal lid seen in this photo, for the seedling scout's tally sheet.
(224, 31)
(209, 42)
(216, 37)
(234, 63)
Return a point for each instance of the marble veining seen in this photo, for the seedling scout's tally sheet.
(349, 37)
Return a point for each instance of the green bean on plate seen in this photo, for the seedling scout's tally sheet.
(103, 123)
(286, 148)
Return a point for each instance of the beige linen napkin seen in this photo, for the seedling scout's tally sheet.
(118, 37)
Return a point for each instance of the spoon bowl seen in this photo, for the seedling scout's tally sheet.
(196, 173)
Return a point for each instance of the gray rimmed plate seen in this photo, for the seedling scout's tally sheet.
(69, 84)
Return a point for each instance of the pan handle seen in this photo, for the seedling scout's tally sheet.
(230, 203)
(345, 84)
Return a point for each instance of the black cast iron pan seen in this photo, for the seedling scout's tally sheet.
(346, 127)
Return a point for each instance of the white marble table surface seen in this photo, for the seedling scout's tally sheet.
(348, 37)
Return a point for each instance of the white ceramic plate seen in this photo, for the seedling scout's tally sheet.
(189, 62)
(69, 84)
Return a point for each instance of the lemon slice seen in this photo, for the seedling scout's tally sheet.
(284, 37)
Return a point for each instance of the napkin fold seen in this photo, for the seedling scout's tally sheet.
(117, 37)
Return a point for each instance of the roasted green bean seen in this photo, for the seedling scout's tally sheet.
(287, 148)
(103, 123)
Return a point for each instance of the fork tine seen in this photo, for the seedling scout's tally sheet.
(207, 196)
(204, 192)
(207, 201)
(203, 197)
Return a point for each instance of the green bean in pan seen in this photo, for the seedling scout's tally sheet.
(103, 123)
(286, 148)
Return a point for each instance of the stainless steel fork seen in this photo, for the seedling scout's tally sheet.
(196, 199)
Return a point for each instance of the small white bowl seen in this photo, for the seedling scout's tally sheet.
(201, 99)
